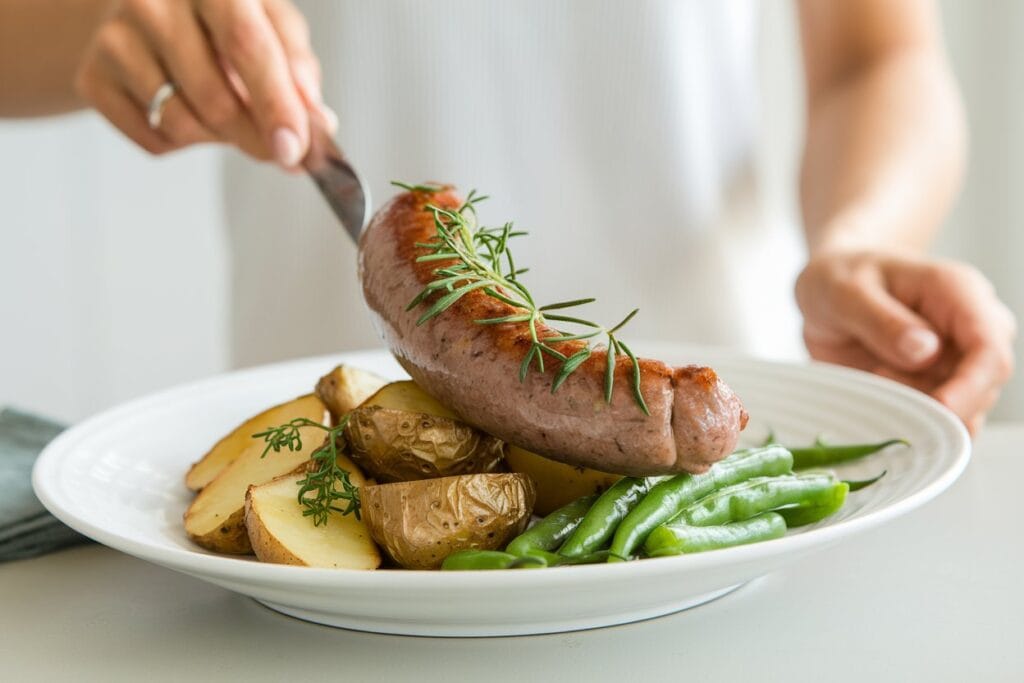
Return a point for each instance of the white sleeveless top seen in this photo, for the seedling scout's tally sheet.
(618, 133)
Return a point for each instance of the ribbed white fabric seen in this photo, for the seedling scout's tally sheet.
(616, 132)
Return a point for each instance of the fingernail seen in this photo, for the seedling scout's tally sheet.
(286, 147)
(330, 118)
(917, 345)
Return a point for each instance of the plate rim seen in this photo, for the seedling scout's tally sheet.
(198, 562)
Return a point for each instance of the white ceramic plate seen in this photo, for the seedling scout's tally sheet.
(118, 478)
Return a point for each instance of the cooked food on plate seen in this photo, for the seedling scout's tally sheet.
(401, 433)
(228, 449)
(296, 494)
(476, 341)
(558, 484)
(419, 523)
(280, 533)
(215, 519)
(506, 421)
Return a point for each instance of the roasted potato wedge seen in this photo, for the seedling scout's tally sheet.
(227, 450)
(407, 395)
(215, 519)
(396, 445)
(279, 533)
(557, 484)
(345, 387)
(419, 523)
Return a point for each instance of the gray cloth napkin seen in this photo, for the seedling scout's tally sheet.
(26, 528)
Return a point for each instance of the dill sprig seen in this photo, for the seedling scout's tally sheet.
(325, 481)
(484, 261)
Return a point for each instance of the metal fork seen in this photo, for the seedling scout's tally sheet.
(338, 181)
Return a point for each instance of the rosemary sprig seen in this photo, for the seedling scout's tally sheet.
(483, 261)
(326, 482)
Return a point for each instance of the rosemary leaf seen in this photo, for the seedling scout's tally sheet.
(446, 301)
(417, 188)
(637, 394)
(624, 321)
(570, 364)
(326, 481)
(524, 367)
(572, 337)
(481, 259)
(518, 318)
(570, 319)
(567, 304)
(609, 372)
(438, 256)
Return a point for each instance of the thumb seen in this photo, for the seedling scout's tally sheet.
(887, 328)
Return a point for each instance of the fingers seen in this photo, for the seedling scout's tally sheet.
(244, 74)
(826, 346)
(849, 299)
(974, 385)
(101, 81)
(178, 38)
(137, 70)
(888, 328)
(978, 326)
(293, 31)
(102, 92)
(933, 325)
(243, 34)
(294, 35)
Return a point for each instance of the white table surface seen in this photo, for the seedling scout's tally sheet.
(935, 596)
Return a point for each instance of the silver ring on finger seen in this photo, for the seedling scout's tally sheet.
(155, 112)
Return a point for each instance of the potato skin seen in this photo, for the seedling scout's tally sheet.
(215, 519)
(395, 445)
(419, 523)
(280, 533)
(345, 387)
(231, 446)
(230, 538)
(266, 546)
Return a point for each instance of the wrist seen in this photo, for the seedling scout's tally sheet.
(858, 230)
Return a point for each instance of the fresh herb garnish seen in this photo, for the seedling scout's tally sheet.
(326, 481)
(483, 261)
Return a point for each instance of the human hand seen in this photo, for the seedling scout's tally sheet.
(243, 70)
(931, 324)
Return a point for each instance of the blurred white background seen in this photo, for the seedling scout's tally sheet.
(115, 268)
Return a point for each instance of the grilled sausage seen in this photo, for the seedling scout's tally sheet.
(694, 419)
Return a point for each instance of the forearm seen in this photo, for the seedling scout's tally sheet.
(884, 154)
(41, 45)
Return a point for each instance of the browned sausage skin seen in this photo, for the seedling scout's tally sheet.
(694, 420)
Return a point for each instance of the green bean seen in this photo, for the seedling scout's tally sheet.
(677, 539)
(667, 498)
(546, 535)
(818, 509)
(857, 485)
(605, 514)
(822, 454)
(496, 559)
(743, 501)
(489, 559)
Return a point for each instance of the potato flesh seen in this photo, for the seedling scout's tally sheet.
(227, 450)
(279, 532)
(419, 523)
(396, 445)
(408, 396)
(215, 519)
(345, 387)
(558, 484)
